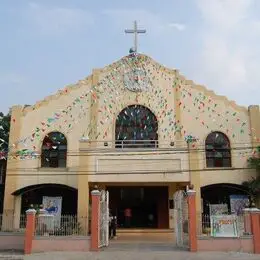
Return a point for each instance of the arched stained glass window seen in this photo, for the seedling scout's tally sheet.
(54, 150)
(136, 127)
(218, 152)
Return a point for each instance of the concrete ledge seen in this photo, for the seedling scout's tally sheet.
(216, 238)
(49, 244)
(11, 241)
(223, 244)
(62, 238)
(7, 233)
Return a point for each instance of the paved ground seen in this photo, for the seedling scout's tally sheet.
(138, 255)
(141, 246)
(134, 248)
(134, 251)
(10, 257)
(122, 250)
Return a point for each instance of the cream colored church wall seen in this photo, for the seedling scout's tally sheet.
(73, 125)
(132, 167)
(226, 176)
(173, 106)
(202, 112)
(198, 115)
(115, 97)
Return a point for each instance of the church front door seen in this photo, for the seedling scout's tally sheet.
(140, 207)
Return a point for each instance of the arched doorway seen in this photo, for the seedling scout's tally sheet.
(233, 195)
(136, 127)
(34, 195)
(148, 205)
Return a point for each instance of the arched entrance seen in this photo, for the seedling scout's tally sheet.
(136, 127)
(145, 206)
(233, 195)
(34, 195)
(148, 206)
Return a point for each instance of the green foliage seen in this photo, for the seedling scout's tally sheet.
(37, 207)
(4, 131)
(253, 186)
(254, 161)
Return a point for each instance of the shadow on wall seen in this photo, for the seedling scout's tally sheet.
(221, 194)
(34, 195)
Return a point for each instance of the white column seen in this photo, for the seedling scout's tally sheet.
(17, 211)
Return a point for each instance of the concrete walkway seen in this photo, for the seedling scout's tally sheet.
(138, 249)
(141, 246)
(139, 255)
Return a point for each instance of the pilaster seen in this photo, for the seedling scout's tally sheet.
(12, 163)
(254, 119)
(194, 167)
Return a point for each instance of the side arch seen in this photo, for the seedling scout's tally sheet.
(234, 195)
(34, 194)
(39, 186)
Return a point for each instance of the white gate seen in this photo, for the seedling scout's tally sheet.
(181, 216)
(104, 219)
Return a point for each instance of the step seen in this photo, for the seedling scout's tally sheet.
(143, 230)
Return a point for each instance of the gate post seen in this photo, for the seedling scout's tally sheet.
(29, 231)
(192, 220)
(255, 222)
(94, 242)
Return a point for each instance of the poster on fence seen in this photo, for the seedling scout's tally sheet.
(224, 226)
(218, 209)
(238, 203)
(53, 205)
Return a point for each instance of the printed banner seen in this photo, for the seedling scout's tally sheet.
(218, 209)
(53, 206)
(224, 226)
(238, 203)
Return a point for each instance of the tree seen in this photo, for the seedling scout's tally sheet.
(254, 160)
(4, 131)
(4, 139)
(253, 185)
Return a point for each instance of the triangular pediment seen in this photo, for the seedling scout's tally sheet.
(124, 68)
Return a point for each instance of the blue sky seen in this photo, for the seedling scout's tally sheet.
(48, 44)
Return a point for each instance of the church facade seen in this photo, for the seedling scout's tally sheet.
(138, 129)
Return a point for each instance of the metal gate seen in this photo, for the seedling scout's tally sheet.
(104, 219)
(181, 219)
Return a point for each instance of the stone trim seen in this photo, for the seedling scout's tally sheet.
(65, 91)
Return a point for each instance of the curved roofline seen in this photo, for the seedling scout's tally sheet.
(186, 82)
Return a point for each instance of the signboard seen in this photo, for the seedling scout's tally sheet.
(224, 226)
(53, 205)
(218, 209)
(238, 203)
